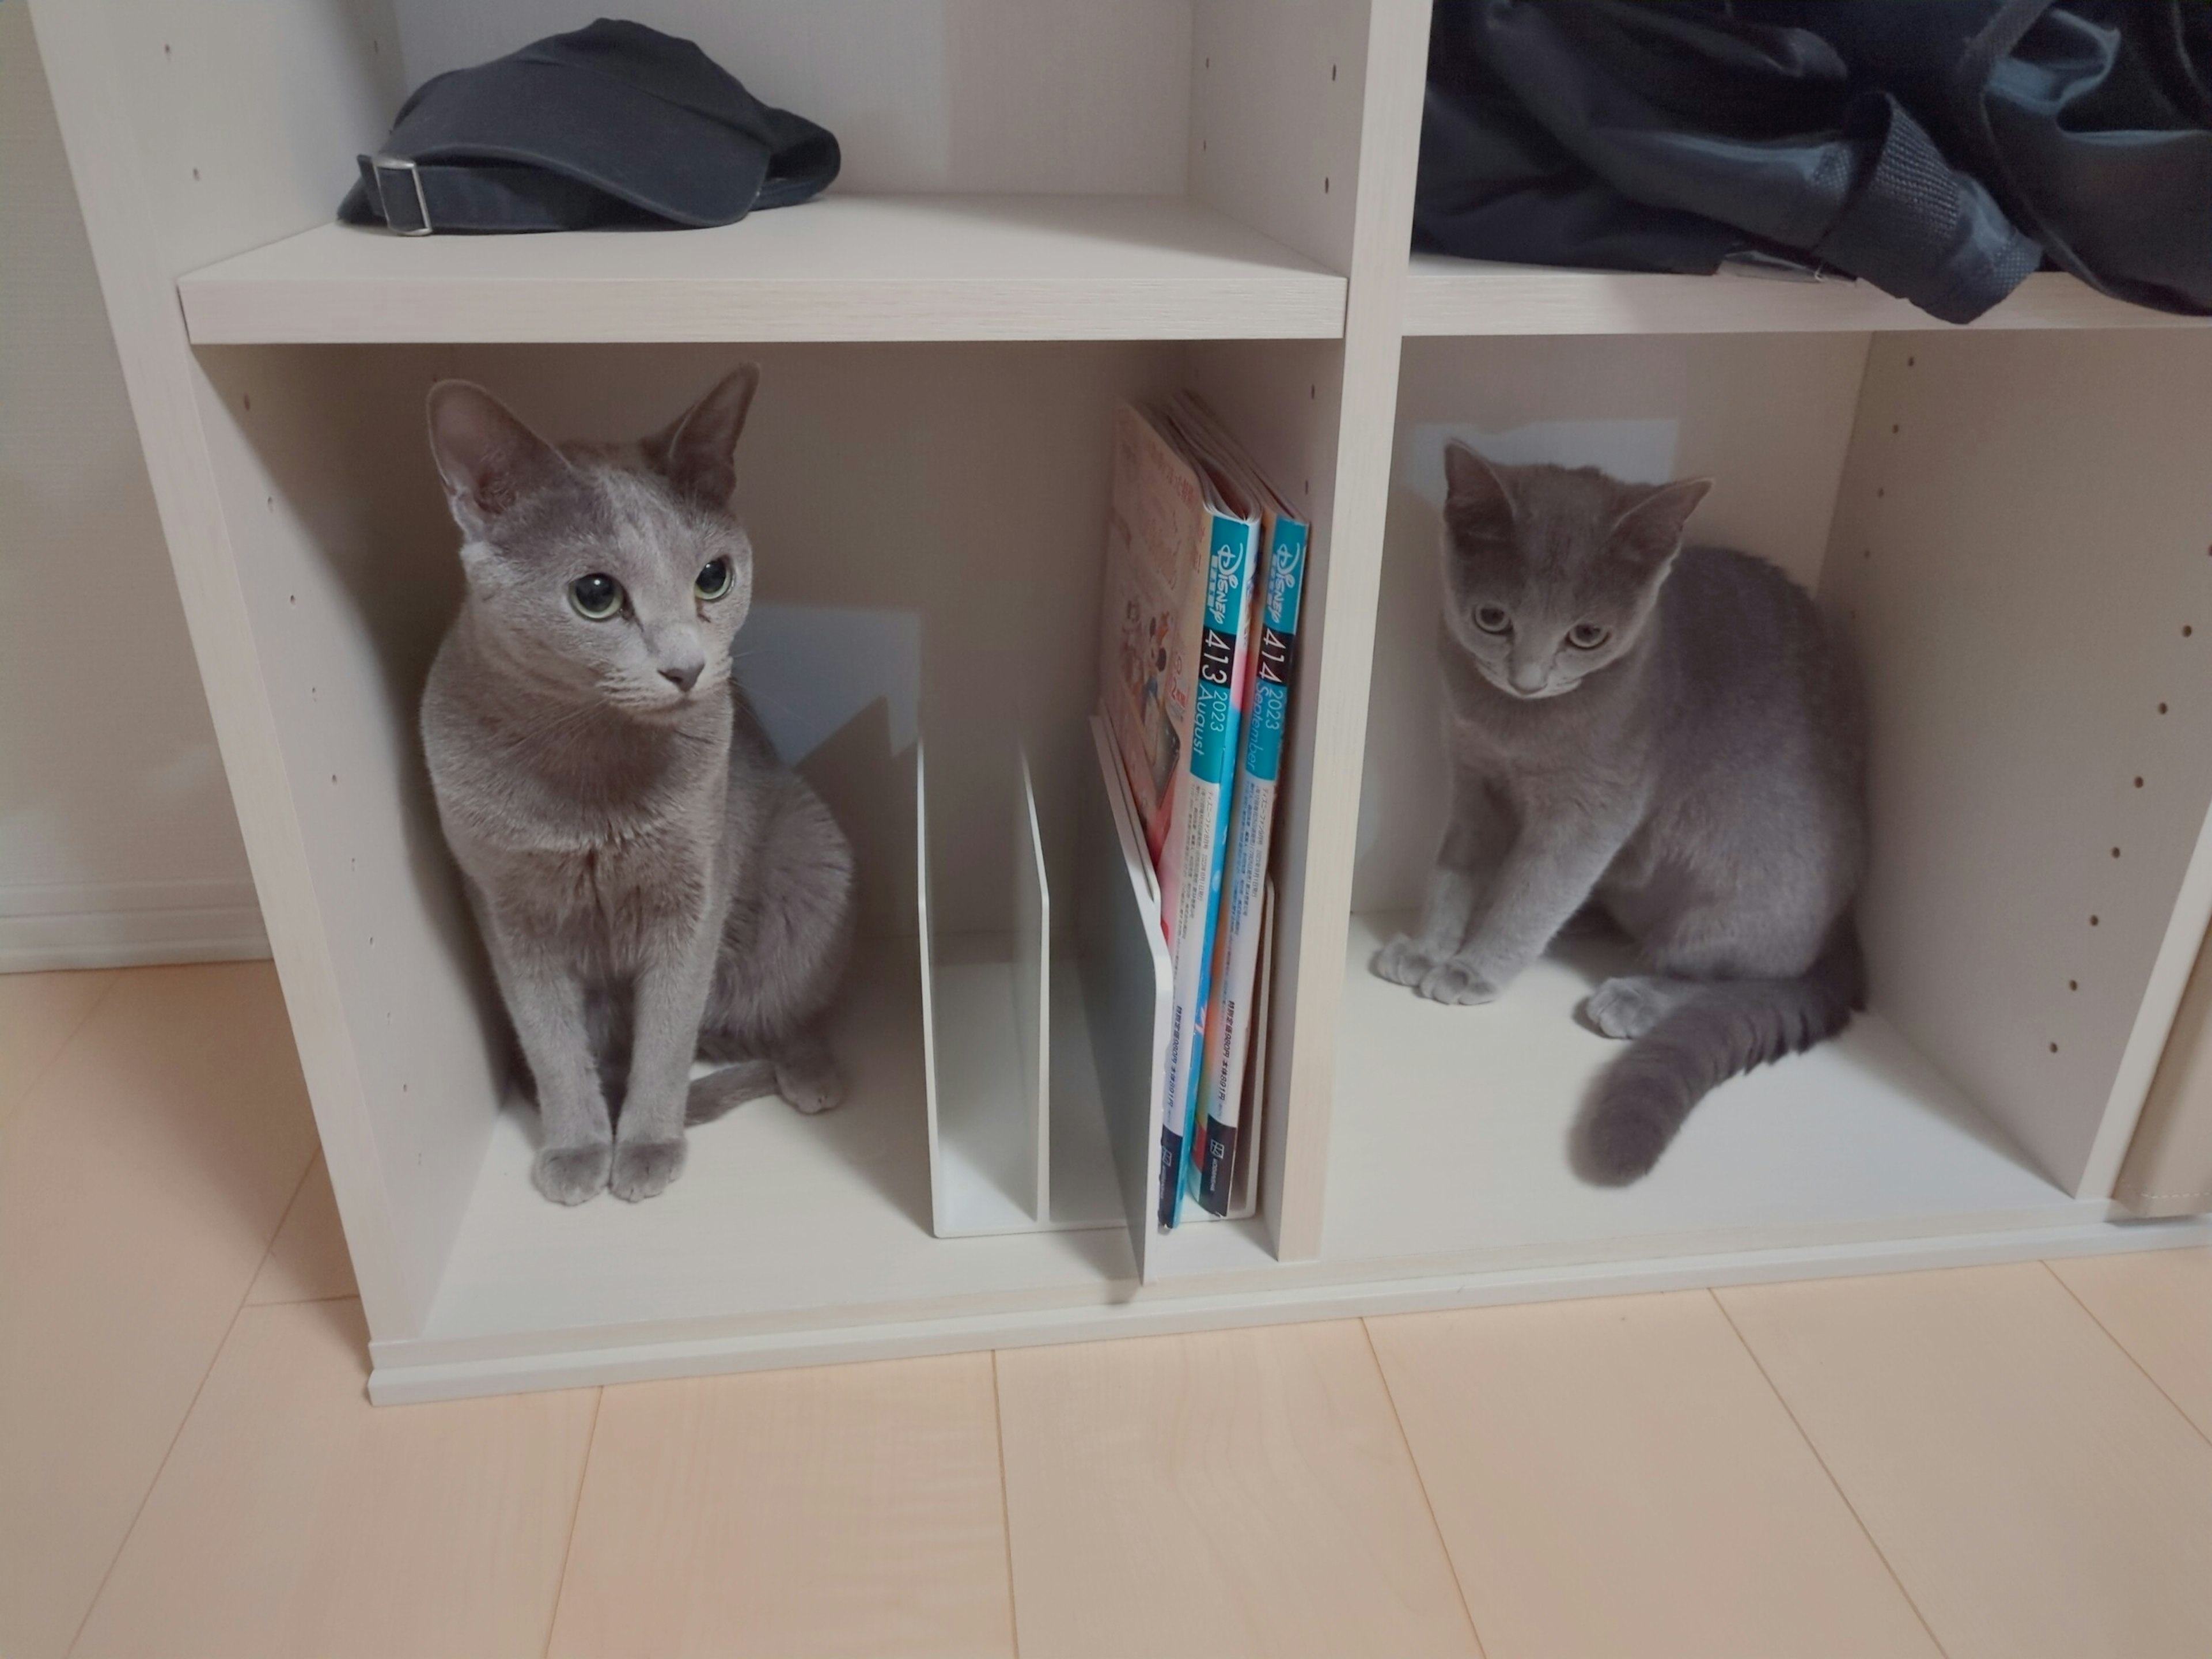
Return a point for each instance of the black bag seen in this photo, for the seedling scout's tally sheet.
(1940, 148)
(616, 123)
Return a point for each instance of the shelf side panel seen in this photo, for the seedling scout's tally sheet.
(2023, 551)
(1328, 700)
(194, 136)
(1276, 93)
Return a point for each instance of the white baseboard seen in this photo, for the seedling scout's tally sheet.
(127, 924)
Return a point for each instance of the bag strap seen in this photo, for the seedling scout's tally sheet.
(1912, 216)
(1969, 87)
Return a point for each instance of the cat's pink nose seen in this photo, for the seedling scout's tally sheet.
(683, 676)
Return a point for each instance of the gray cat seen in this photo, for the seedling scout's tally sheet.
(1672, 736)
(651, 883)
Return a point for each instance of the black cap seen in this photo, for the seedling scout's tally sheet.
(616, 123)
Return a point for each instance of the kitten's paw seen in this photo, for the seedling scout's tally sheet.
(1456, 980)
(1628, 1006)
(644, 1169)
(809, 1081)
(1403, 961)
(570, 1174)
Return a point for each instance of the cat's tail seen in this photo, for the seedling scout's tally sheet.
(733, 1085)
(1725, 1028)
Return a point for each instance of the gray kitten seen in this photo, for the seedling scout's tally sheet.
(651, 883)
(1672, 735)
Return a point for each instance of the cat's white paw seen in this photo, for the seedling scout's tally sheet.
(1628, 1006)
(1458, 981)
(1403, 961)
(570, 1174)
(645, 1169)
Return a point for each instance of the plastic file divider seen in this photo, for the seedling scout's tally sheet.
(1044, 1087)
(1032, 984)
(1126, 982)
(984, 1099)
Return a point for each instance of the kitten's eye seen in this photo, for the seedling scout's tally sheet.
(714, 579)
(1587, 636)
(1492, 618)
(596, 596)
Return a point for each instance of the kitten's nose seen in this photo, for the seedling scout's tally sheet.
(683, 675)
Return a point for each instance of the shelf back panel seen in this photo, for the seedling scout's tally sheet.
(923, 96)
(1768, 417)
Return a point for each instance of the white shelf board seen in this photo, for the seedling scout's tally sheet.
(779, 1222)
(1450, 1138)
(796, 1240)
(1473, 297)
(841, 268)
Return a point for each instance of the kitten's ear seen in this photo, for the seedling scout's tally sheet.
(696, 453)
(1477, 501)
(1650, 532)
(489, 460)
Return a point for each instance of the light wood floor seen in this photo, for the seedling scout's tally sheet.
(1995, 1463)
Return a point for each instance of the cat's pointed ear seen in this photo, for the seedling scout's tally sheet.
(1476, 500)
(698, 453)
(489, 460)
(1650, 532)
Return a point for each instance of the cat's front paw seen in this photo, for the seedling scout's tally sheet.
(1403, 961)
(1458, 981)
(644, 1169)
(570, 1174)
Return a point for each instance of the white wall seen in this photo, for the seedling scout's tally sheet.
(116, 840)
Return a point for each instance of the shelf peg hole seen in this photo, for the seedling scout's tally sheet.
(2054, 1047)
(2138, 783)
(2187, 632)
(1324, 187)
(2092, 921)
(2116, 852)
(2073, 984)
(195, 175)
(2162, 708)
(1893, 428)
(1332, 72)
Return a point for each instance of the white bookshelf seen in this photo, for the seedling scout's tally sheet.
(1047, 207)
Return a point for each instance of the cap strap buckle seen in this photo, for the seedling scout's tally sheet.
(382, 165)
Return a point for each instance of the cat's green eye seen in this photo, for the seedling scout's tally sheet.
(714, 579)
(596, 596)
(1587, 636)
(1492, 618)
